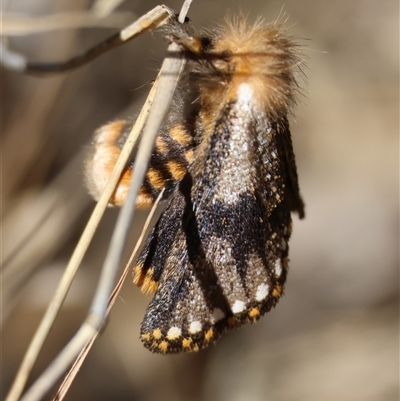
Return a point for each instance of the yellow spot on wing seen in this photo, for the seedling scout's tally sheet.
(189, 155)
(177, 170)
(155, 178)
(138, 275)
(254, 313)
(149, 285)
(277, 291)
(161, 145)
(187, 342)
(209, 335)
(157, 334)
(144, 280)
(163, 346)
(180, 135)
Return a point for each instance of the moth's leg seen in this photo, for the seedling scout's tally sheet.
(153, 19)
(172, 153)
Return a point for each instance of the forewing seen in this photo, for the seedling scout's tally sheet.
(224, 263)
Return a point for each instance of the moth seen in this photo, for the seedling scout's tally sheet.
(218, 256)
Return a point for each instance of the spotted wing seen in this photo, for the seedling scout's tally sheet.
(217, 258)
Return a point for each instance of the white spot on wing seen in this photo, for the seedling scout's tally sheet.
(173, 333)
(238, 306)
(195, 327)
(262, 292)
(278, 267)
(218, 314)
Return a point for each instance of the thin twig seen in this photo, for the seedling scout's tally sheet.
(76, 258)
(69, 378)
(167, 81)
(21, 25)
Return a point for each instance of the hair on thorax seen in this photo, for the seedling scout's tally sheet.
(235, 51)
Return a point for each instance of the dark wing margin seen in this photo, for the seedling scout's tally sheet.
(294, 197)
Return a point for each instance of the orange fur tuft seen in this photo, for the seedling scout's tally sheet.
(102, 160)
(260, 55)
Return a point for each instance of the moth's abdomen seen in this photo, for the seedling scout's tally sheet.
(168, 164)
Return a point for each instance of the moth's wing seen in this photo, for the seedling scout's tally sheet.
(294, 197)
(154, 256)
(179, 317)
(209, 281)
(219, 257)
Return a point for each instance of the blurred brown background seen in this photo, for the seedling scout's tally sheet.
(334, 335)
